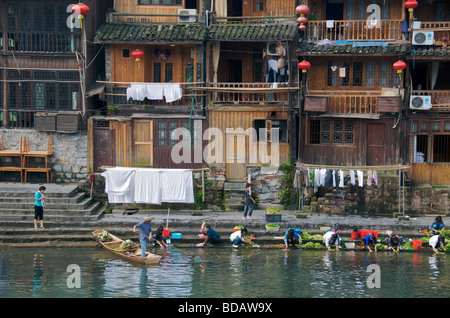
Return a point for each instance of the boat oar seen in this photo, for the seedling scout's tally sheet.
(151, 238)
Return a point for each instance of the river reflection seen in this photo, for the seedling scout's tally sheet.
(217, 273)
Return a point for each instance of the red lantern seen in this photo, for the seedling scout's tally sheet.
(304, 66)
(411, 5)
(302, 9)
(302, 27)
(137, 54)
(302, 20)
(81, 10)
(399, 66)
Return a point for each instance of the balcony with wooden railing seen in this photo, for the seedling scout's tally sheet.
(193, 95)
(339, 30)
(440, 99)
(42, 42)
(351, 102)
(248, 94)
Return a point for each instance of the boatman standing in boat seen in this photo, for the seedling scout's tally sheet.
(145, 231)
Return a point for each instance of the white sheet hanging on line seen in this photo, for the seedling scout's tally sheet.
(352, 177)
(148, 185)
(119, 185)
(360, 177)
(140, 91)
(341, 178)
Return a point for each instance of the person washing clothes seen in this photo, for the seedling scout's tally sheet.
(436, 240)
(368, 240)
(290, 237)
(331, 238)
(437, 225)
(210, 236)
(238, 238)
(394, 241)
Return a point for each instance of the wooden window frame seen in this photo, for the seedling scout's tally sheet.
(268, 125)
(426, 128)
(329, 129)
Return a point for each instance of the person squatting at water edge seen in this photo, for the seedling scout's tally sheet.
(331, 238)
(238, 238)
(436, 240)
(437, 225)
(368, 240)
(210, 236)
(394, 241)
(291, 237)
(158, 237)
(145, 228)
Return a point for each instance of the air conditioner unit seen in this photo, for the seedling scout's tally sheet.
(420, 102)
(187, 15)
(423, 38)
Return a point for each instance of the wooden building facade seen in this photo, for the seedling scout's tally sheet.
(140, 126)
(44, 59)
(427, 127)
(252, 82)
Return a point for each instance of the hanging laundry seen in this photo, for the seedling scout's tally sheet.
(322, 174)
(329, 178)
(375, 177)
(119, 185)
(172, 92)
(148, 185)
(155, 92)
(352, 177)
(369, 178)
(341, 178)
(360, 177)
(176, 186)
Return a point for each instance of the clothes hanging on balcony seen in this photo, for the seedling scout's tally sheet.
(119, 185)
(171, 92)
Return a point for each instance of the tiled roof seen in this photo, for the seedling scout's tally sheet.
(151, 32)
(429, 51)
(312, 49)
(253, 32)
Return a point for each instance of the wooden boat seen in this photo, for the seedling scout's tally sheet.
(135, 257)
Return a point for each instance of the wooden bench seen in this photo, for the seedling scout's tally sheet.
(48, 171)
(14, 169)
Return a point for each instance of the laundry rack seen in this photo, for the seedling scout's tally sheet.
(399, 168)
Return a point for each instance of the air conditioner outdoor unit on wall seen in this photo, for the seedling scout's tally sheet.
(187, 15)
(420, 102)
(423, 38)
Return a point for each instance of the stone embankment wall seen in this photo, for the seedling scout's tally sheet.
(69, 161)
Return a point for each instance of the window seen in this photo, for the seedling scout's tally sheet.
(358, 74)
(370, 74)
(361, 74)
(430, 140)
(326, 131)
(264, 129)
(166, 132)
(259, 5)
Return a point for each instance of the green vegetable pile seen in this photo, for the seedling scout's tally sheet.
(272, 210)
(104, 237)
(312, 245)
(127, 246)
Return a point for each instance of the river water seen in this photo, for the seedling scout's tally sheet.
(223, 273)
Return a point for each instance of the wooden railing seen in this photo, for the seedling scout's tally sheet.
(354, 104)
(440, 99)
(249, 93)
(354, 30)
(117, 96)
(349, 102)
(53, 42)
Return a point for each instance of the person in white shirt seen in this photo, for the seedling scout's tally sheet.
(331, 238)
(436, 240)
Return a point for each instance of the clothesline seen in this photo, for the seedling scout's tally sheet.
(387, 167)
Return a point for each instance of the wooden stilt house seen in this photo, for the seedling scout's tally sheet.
(154, 60)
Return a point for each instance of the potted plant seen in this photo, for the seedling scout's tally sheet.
(272, 227)
(444, 41)
(273, 214)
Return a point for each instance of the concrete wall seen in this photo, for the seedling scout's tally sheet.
(69, 161)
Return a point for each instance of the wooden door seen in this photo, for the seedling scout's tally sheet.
(375, 145)
(143, 143)
(235, 156)
(103, 148)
